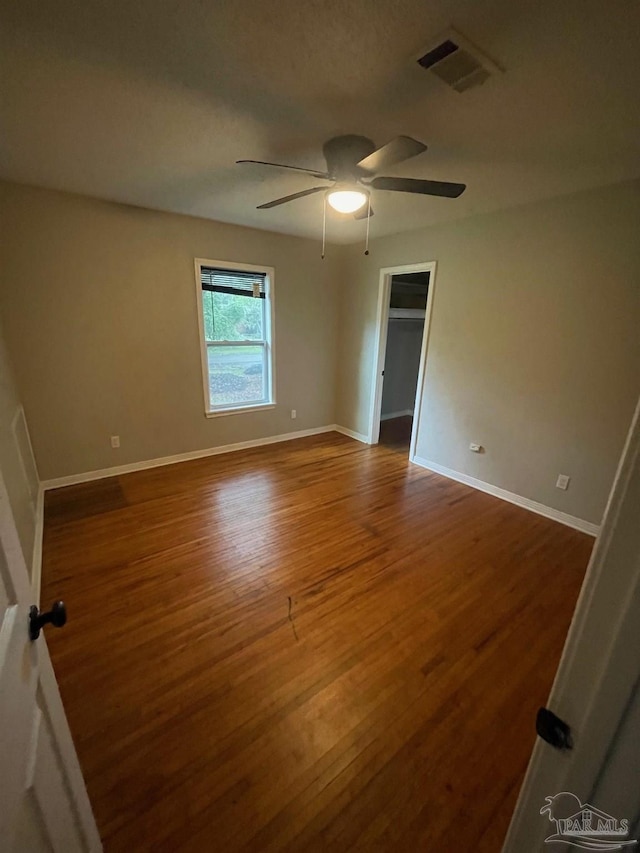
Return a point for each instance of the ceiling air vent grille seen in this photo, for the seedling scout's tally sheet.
(458, 63)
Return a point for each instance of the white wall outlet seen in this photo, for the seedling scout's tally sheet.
(563, 482)
(476, 448)
(294, 414)
(115, 441)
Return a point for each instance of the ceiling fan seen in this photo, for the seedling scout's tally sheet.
(353, 164)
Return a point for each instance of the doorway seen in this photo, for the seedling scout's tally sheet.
(404, 308)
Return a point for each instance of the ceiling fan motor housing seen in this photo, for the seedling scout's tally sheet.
(343, 153)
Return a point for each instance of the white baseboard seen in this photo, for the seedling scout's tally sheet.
(391, 415)
(74, 479)
(359, 436)
(547, 511)
(36, 559)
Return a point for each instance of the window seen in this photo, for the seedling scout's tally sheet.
(236, 325)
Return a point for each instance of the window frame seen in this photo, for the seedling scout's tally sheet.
(268, 341)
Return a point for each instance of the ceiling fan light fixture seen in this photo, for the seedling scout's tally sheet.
(347, 200)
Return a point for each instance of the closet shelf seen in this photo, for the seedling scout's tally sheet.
(406, 313)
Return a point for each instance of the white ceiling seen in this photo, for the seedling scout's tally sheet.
(150, 102)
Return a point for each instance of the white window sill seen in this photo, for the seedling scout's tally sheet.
(218, 413)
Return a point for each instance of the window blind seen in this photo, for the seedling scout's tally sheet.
(237, 282)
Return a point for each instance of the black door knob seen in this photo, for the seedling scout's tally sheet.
(57, 617)
(554, 730)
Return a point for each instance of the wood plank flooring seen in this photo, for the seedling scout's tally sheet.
(395, 434)
(307, 646)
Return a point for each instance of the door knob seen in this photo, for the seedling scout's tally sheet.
(57, 617)
(554, 730)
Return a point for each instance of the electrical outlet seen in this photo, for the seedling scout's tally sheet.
(476, 448)
(294, 414)
(563, 482)
(115, 441)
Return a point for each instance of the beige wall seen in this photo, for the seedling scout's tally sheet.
(12, 469)
(100, 313)
(534, 349)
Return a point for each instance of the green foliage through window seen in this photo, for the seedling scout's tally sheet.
(236, 313)
(229, 317)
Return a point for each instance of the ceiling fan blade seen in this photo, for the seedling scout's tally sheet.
(287, 198)
(399, 149)
(283, 166)
(362, 213)
(416, 185)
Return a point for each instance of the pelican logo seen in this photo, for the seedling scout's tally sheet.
(584, 826)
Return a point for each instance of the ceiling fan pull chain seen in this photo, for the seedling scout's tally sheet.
(366, 242)
(324, 224)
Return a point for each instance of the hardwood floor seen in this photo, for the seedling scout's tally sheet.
(395, 434)
(306, 646)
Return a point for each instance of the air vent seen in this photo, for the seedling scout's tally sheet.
(458, 63)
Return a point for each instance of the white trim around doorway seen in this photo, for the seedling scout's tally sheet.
(382, 322)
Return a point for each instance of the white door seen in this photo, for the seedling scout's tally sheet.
(43, 800)
(597, 693)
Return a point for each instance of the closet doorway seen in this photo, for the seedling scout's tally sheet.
(404, 309)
